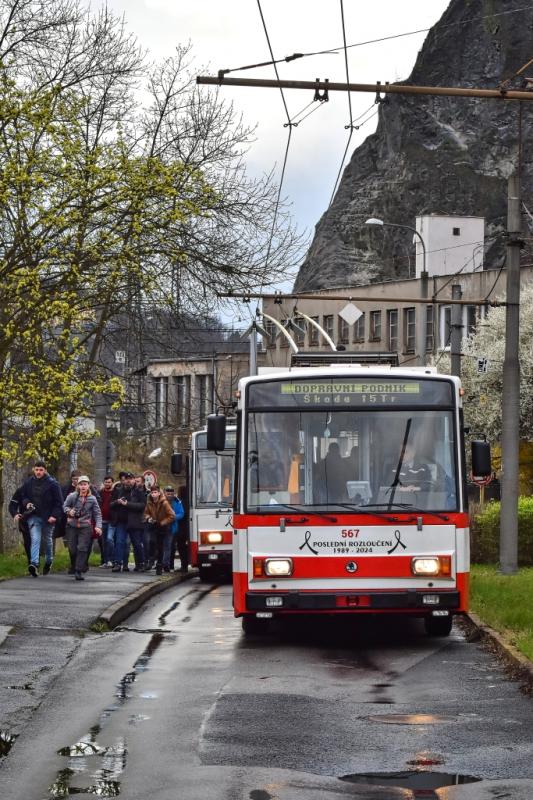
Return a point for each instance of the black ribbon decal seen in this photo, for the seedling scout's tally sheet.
(306, 543)
(398, 542)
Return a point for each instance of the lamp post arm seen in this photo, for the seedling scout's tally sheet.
(414, 230)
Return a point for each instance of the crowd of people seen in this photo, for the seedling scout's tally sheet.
(119, 516)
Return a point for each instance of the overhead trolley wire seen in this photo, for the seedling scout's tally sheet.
(335, 50)
(350, 124)
(289, 126)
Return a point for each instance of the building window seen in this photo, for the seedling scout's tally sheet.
(375, 326)
(183, 401)
(313, 333)
(344, 331)
(429, 329)
(409, 330)
(445, 327)
(456, 231)
(471, 320)
(359, 329)
(161, 402)
(205, 400)
(269, 340)
(328, 325)
(392, 329)
(298, 332)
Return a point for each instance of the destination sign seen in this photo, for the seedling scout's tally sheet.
(353, 393)
(377, 387)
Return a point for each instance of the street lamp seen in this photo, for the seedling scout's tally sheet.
(422, 318)
(375, 221)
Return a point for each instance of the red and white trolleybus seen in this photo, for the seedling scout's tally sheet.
(209, 477)
(350, 494)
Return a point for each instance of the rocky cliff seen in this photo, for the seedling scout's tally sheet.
(433, 154)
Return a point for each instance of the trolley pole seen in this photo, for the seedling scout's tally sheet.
(511, 388)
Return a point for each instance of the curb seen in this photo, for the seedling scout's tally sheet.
(122, 609)
(520, 666)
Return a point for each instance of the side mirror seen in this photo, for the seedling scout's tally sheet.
(216, 432)
(176, 463)
(481, 464)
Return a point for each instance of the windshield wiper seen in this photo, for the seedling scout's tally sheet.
(410, 507)
(323, 514)
(362, 510)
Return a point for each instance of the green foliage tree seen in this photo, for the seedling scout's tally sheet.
(484, 391)
(107, 206)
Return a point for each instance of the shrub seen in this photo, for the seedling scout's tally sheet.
(485, 533)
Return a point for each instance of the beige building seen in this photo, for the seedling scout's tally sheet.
(389, 316)
(181, 393)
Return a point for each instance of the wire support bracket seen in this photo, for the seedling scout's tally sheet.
(379, 99)
(322, 97)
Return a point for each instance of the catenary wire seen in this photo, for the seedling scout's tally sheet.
(335, 50)
(350, 125)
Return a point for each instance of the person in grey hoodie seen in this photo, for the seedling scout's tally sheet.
(83, 519)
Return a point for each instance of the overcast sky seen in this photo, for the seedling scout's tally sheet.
(230, 34)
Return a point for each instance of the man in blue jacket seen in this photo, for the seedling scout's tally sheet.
(41, 497)
(179, 539)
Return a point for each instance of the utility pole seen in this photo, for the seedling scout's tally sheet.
(456, 334)
(100, 442)
(253, 350)
(511, 387)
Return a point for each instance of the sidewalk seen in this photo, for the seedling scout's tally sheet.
(42, 622)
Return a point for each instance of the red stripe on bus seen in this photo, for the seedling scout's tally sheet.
(323, 567)
(243, 521)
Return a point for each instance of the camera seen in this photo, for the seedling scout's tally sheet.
(76, 514)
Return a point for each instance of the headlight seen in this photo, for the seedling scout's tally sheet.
(211, 537)
(431, 566)
(277, 567)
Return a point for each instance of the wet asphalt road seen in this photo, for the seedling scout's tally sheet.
(179, 704)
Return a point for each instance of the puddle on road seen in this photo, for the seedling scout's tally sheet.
(86, 754)
(419, 782)
(7, 740)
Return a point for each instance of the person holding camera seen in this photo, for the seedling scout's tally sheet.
(84, 519)
(159, 515)
(41, 499)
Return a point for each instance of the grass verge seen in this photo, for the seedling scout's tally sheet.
(505, 602)
(15, 565)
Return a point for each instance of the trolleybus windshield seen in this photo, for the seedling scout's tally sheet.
(214, 472)
(323, 444)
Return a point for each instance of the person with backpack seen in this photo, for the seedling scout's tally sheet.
(159, 515)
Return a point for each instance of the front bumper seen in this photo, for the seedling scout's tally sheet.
(363, 601)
